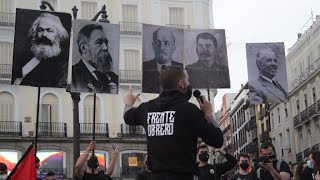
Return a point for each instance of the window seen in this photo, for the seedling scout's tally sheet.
(298, 107)
(288, 138)
(309, 139)
(6, 56)
(272, 120)
(49, 108)
(6, 107)
(176, 16)
(305, 101)
(285, 110)
(130, 13)
(88, 109)
(280, 145)
(314, 95)
(131, 163)
(6, 6)
(279, 119)
(132, 60)
(88, 9)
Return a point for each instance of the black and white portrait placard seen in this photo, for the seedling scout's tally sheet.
(267, 73)
(95, 57)
(162, 47)
(41, 48)
(206, 58)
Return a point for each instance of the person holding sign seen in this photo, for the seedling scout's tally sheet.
(173, 126)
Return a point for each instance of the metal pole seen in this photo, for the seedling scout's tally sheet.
(76, 127)
(37, 123)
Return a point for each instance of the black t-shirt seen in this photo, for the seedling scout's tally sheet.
(143, 175)
(87, 176)
(307, 174)
(250, 176)
(266, 175)
(173, 126)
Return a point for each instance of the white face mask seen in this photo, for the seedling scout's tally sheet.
(3, 176)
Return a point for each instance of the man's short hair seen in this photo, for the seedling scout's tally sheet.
(170, 76)
(202, 146)
(155, 34)
(3, 167)
(55, 22)
(266, 145)
(51, 174)
(246, 155)
(85, 33)
(261, 54)
(208, 36)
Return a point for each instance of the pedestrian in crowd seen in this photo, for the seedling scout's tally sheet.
(313, 166)
(145, 174)
(245, 169)
(3, 171)
(269, 167)
(213, 171)
(300, 167)
(293, 168)
(93, 164)
(173, 125)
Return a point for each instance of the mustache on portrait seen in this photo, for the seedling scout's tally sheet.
(43, 40)
(205, 53)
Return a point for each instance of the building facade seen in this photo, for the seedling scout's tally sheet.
(18, 104)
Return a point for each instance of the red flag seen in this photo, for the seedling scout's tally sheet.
(27, 168)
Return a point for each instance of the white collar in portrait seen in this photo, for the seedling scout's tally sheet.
(159, 65)
(91, 69)
(30, 66)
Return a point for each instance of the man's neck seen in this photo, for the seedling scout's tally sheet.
(201, 163)
(89, 170)
(207, 63)
(243, 172)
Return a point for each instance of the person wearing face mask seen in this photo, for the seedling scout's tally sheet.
(213, 171)
(245, 171)
(269, 167)
(173, 125)
(3, 171)
(313, 166)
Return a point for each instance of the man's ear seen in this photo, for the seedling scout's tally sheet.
(83, 47)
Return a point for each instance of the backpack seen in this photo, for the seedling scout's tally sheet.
(278, 169)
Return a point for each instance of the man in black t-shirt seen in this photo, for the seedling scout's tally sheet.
(245, 170)
(269, 167)
(213, 171)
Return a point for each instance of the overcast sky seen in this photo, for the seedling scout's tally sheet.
(253, 21)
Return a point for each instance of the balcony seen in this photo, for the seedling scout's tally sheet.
(180, 26)
(101, 130)
(251, 124)
(130, 28)
(306, 152)
(130, 76)
(5, 70)
(10, 128)
(52, 129)
(265, 136)
(132, 131)
(316, 147)
(262, 113)
(306, 74)
(253, 147)
(7, 19)
(228, 148)
(299, 157)
(307, 114)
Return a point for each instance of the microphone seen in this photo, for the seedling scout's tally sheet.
(197, 94)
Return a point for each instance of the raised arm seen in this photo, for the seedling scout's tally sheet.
(82, 159)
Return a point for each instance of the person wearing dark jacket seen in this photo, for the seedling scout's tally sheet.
(173, 126)
(313, 166)
(213, 171)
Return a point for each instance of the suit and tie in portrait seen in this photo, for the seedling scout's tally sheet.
(163, 47)
(94, 72)
(270, 85)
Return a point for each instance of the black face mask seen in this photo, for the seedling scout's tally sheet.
(244, 165)
(188, 92)
(204, 156)
(93, 163)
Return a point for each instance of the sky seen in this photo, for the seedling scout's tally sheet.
(258, 21)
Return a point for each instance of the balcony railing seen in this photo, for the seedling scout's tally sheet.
(306, 74)
(10, 128)
(132, 131)
(7, 19)
(101, 130)
(299, 157)
(5, 70)
(226, 129)
(251, 124)
(181, 26)
(130, 76)
(307, 114)
(316, 147)
(131, 28)
(52, 129)
(228, 148)
(265, 136)
(306, 152)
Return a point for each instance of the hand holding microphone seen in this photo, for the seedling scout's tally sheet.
(205, 105)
